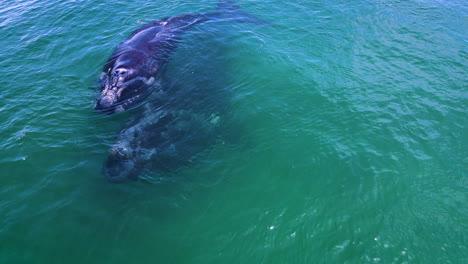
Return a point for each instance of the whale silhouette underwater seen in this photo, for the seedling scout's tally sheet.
(163, 134)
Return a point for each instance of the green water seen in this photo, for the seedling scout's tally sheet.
(350, 144)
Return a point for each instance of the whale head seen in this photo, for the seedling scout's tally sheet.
(122, 165)
(125, 82)
(128, 156)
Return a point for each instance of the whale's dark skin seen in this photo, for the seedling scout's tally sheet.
(134, 68)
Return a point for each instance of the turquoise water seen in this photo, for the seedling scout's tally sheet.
(348, 139)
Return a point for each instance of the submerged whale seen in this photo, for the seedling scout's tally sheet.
(133, 70)
(160, 140)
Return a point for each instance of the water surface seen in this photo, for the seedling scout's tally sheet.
(348, 139)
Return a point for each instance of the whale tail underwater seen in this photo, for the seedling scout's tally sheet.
(133, 70)
(166, 133)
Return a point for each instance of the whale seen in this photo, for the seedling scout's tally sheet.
(176, 126)
(160, 140)
(134, 69)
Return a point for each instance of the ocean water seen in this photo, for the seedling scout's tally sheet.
(347, 139)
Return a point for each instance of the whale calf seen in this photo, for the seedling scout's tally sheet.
(160, 140)
(133, 70)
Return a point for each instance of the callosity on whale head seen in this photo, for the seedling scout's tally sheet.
(125, 82)
(120, 165)
(125, 162)
(128, 156)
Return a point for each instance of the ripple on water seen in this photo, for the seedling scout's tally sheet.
(348, 136)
